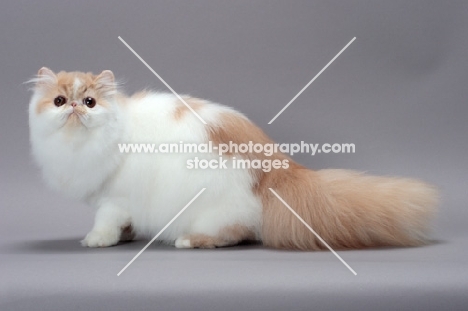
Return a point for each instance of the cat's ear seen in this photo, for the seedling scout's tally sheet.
(105, 82)
(45, 77)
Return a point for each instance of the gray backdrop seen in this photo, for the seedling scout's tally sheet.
(398, 92)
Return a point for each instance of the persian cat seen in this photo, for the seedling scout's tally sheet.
(77, 120)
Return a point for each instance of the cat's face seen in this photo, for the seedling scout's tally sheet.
(72, 100)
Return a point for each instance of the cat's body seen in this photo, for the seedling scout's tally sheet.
(77, 149)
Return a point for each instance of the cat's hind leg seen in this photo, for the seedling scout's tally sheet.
(127, 234)
(227, 236)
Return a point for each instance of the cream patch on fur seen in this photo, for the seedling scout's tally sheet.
(140, 95)
(181, 109)
(346, 208)
(43, 105)
(228, 236)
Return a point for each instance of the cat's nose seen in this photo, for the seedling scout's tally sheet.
(73, 104)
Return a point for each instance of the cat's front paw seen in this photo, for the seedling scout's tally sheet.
(101, 239)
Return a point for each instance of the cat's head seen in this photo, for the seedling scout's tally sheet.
(72, 100)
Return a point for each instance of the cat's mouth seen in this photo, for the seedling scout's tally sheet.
(75, 117)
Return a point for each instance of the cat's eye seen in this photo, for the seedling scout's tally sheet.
(89, 102)
(59, 101)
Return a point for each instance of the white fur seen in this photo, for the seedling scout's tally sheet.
(76, 85)
(146, 190)
(183, 243)
(79, 161)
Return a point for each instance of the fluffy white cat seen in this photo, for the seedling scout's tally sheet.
(77, 120)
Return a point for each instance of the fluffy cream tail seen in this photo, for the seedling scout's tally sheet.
(347, 209)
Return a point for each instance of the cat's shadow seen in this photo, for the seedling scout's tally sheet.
(68, 245)
(72, 245)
